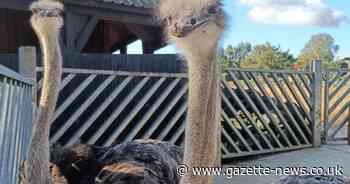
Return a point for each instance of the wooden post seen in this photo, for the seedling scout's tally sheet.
(124, 50)
(27, 62)
(27, 68)
(316, 103)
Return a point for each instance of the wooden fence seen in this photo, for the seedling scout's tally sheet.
(263, 111)
(337, 105)
(16, 115)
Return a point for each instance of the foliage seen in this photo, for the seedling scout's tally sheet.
(320, 47)
(233, 56)
(267, 56)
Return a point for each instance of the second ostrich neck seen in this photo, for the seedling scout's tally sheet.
(202, 129)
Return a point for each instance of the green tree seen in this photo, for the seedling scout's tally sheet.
(233, 56)
(267, 56)
(319, 47)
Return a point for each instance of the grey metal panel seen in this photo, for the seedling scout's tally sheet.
(116, 112)
(165, 112)
(98, 112)
(120, 73)
(151, 111)
(73, 96)
(12, 103)
(81, 109)
(181, 112)
(13, 75)
(134, 112)
(8, 137)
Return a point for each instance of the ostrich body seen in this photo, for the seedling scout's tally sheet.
(196, 27)
(47, 23)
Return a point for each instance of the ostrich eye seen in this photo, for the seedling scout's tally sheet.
(193, 21)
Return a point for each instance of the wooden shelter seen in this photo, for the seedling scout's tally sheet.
(91, 26)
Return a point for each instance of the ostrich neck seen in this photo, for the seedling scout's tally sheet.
(39, 153)
(201, 139)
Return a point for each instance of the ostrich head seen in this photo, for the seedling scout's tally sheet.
(195, 26)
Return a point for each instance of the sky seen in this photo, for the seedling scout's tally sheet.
(287, 23)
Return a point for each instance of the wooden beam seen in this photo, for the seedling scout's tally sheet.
(110, 6)
(143, 32)
(124, 50)
(16, 4)
(86, 33)
(147, 47)
(110, 14)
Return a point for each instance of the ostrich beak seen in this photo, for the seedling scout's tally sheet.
(183, 31)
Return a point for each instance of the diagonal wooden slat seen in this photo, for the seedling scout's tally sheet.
(99, 111)
(336, 117)
(247, 114)
(306, 83)
(302, 89)
(224, 149)
(300, 101)
(231, 141)
(180, 132)
(131, 136)
(239, 135)
(181, 112)
(60, 132)
(339, 100)
(165, 112)
(242, 123)
(338, 128)
(105, 125)
(338, 88)
(295, 109)
(285, 108)
(253, 105)
(268, 113)
(122, 126)
(68, 101)
(283, 120)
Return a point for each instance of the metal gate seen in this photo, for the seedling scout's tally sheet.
(266, 111)
(262, 111)
(336, 104)
(16, 115)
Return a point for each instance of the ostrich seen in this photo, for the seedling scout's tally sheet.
(193, 24)
(196, 27)
(47, 23)
(82, 163)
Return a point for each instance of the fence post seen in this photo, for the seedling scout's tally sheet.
(27, 62)
(316, 103)
(27, 68)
